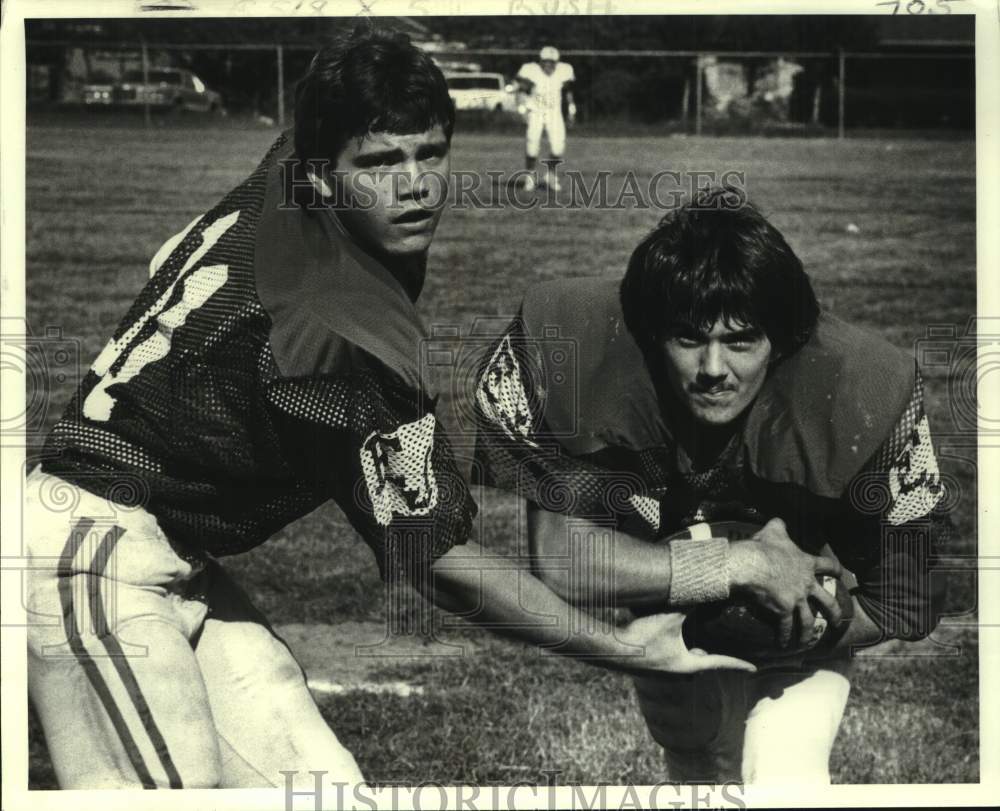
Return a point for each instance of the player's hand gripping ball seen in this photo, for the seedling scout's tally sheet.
(739, 627)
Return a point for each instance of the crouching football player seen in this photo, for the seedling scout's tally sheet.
(268, 365)
(707, 393)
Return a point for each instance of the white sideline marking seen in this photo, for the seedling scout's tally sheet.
(398, 688)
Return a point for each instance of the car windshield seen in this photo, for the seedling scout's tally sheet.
(155, 76)
(475, 83)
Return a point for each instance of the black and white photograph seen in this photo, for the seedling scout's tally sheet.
(537, 404)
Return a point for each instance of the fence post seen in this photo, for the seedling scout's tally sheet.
(841, 92)
(686, 103)
(147, 120)
(697, 94)
(281, 85)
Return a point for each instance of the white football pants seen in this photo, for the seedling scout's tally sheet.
(772, 727)
(551, 123)
(152, 669)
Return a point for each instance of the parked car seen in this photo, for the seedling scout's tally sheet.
(167, 89)
(482, 91)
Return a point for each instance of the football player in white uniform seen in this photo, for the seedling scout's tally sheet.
(543, 85)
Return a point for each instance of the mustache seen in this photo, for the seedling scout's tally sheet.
(414, 215)
(718, 388)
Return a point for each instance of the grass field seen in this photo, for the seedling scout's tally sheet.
(100, 202)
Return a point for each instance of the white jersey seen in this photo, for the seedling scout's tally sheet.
(547, 90)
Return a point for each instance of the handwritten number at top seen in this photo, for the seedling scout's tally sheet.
(915, 7)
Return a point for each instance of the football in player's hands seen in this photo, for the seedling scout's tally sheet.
(739, 627)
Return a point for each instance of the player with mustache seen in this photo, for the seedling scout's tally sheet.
(708, 389)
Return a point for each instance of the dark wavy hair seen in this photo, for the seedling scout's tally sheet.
(717, 257)
(370, 80)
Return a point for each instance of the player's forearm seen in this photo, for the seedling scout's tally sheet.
(620, 574)
(588, 564)
(493, 594)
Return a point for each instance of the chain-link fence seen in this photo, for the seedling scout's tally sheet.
(685, 91)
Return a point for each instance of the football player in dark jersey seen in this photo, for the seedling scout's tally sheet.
(707, 387)
(269, 365)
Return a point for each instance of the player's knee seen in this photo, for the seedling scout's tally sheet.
(204, 770)
(343, 767)
(325, 771)
(172, 769)
(193, 759)
(770, 762)
(318, 749)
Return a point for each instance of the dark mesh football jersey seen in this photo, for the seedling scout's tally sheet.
(836, 444)
(267, 366)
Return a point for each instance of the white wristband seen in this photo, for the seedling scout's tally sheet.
(698, 571)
